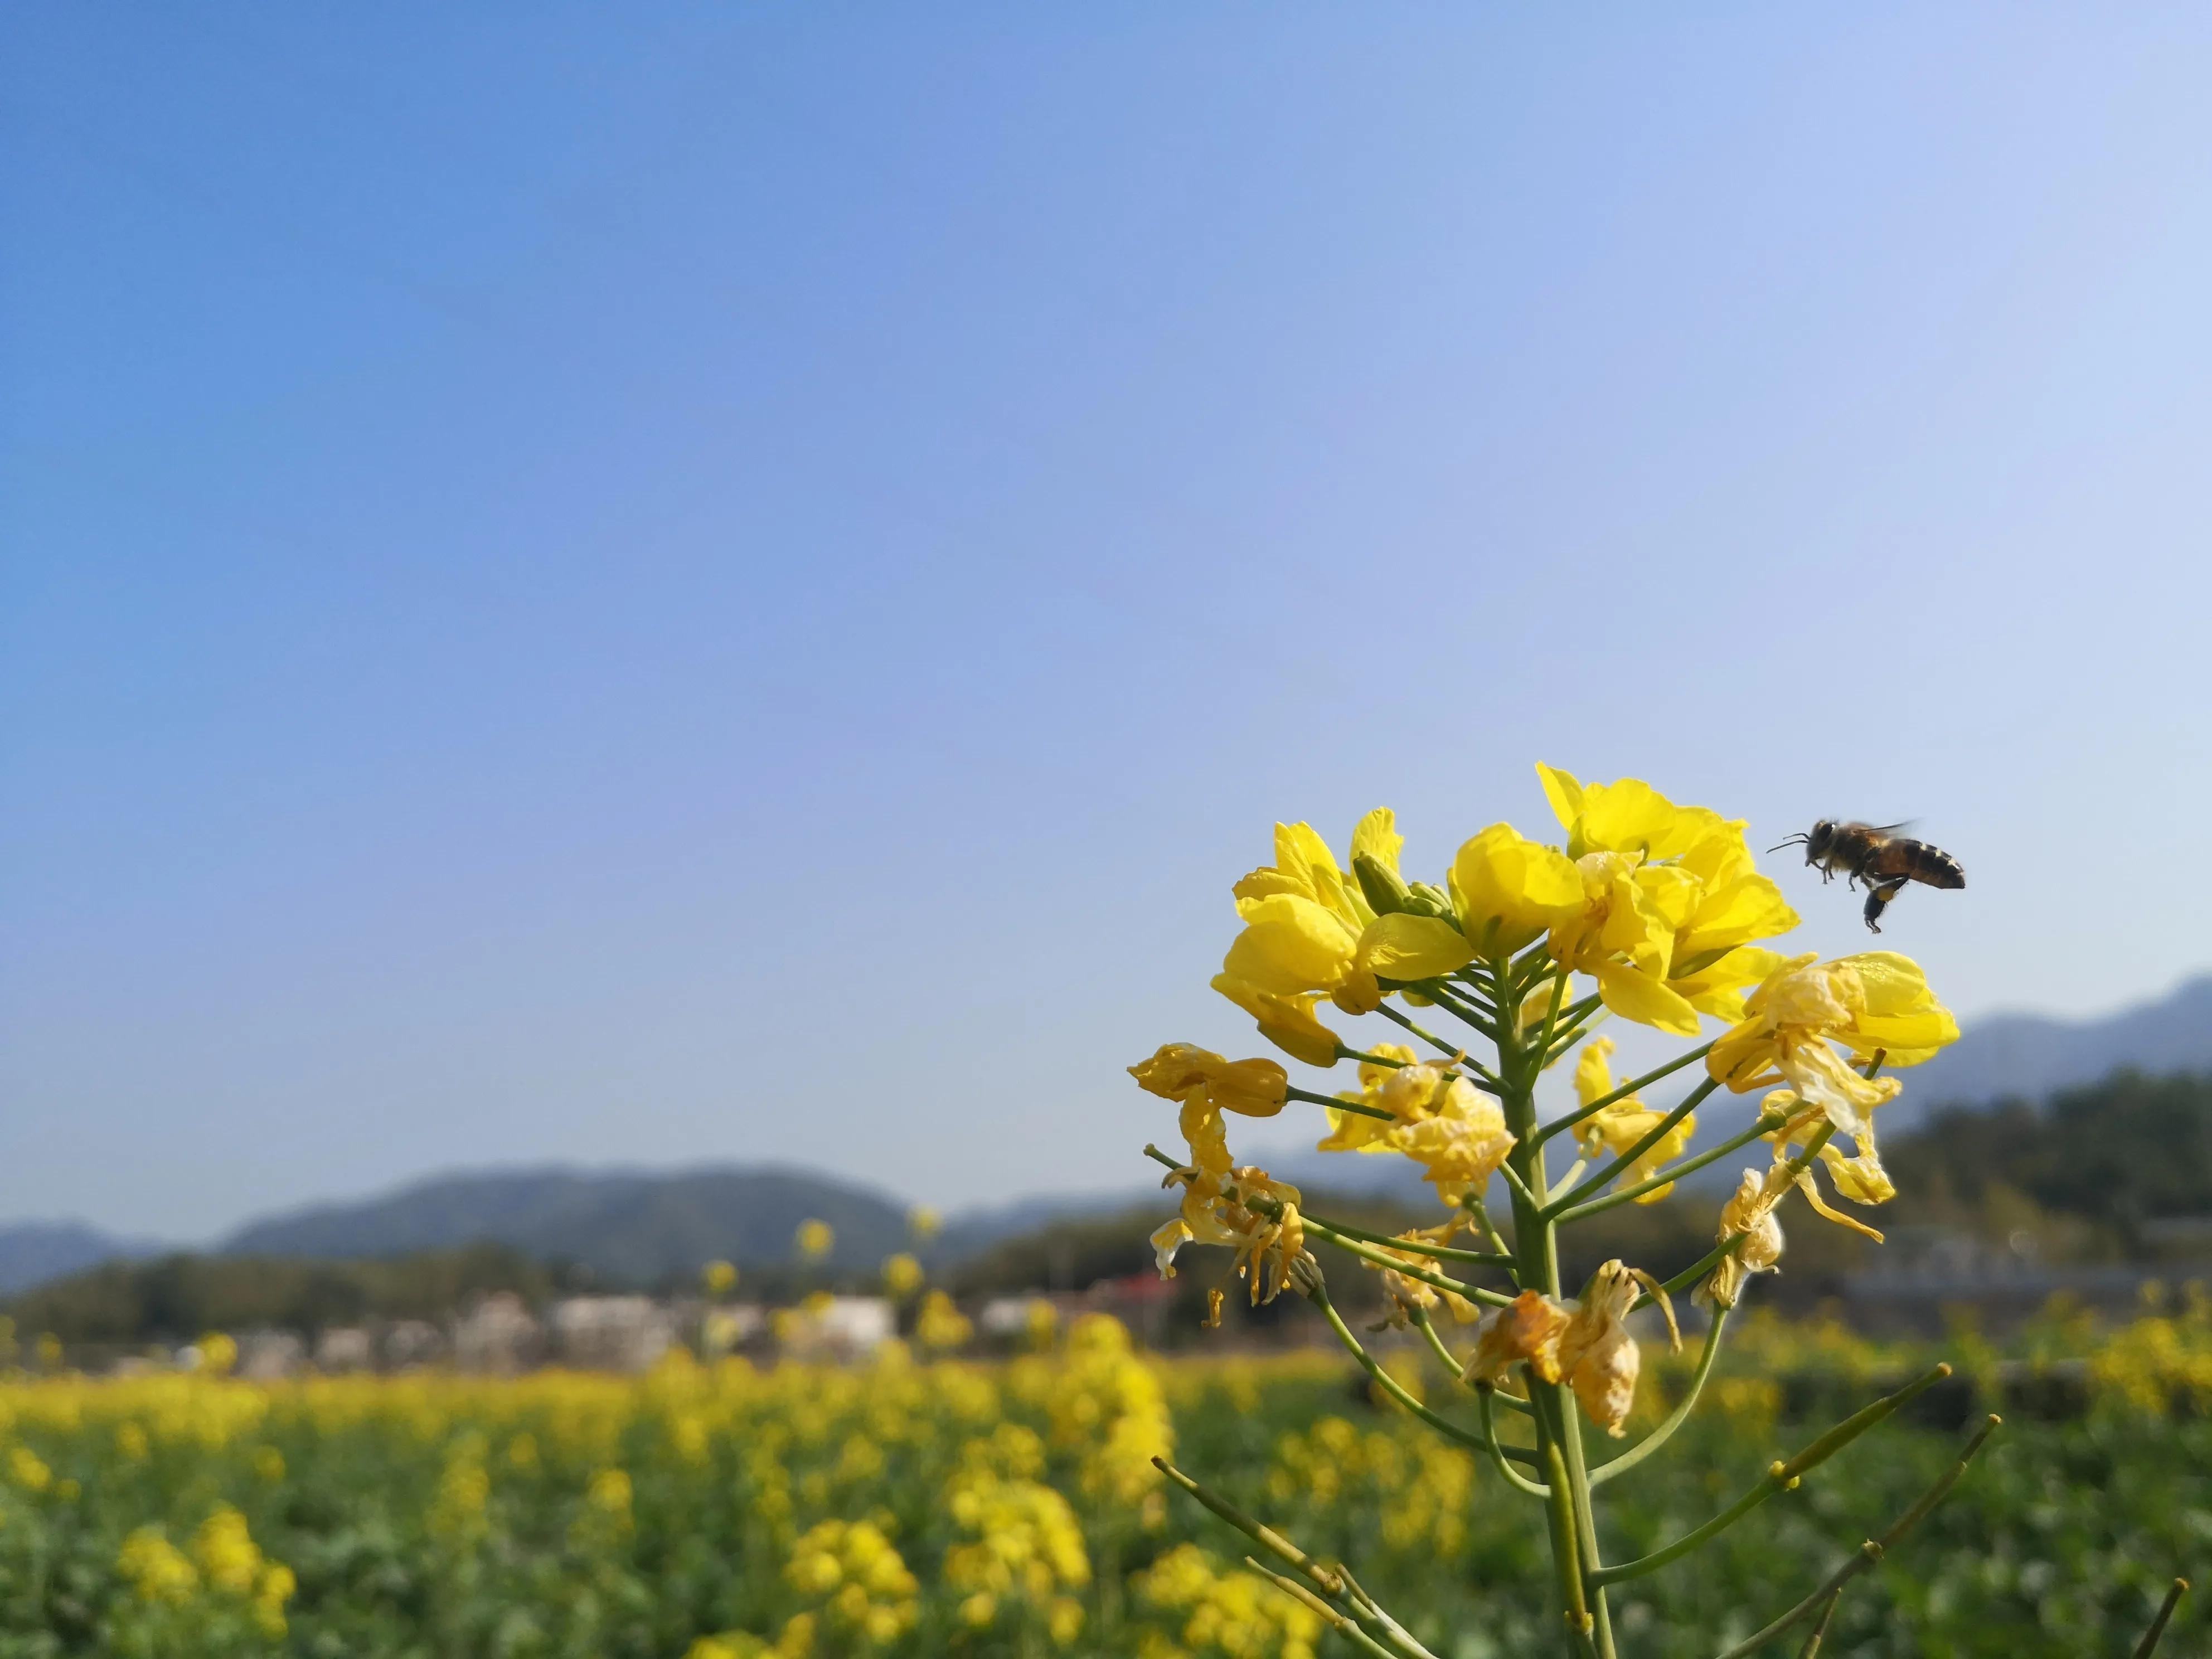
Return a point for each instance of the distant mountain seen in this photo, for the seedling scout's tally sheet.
(2033, 1056)
(626, 1227)
(34, 1252)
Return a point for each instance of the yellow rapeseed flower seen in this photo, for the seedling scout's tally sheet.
(902, 1274)
(1875, 1003)
(1183, 1073)
(1627, 1120)
(1309, 930)
(719, 1278)
(815, 1239)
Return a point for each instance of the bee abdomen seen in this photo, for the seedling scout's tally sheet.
(1937, 867)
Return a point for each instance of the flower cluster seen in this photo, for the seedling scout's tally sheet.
(1639, 909)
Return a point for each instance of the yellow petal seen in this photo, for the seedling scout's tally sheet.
(1509, 890)
(1413, 947)
(1288, 1022)
(1289, 944)
(1376, 837)
(1647, 1002)
(1564, 792)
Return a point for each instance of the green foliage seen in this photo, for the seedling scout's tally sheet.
(178, 1298)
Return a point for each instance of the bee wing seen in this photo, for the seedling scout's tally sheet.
(1890, 828)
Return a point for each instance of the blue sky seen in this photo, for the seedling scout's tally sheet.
(737, 582)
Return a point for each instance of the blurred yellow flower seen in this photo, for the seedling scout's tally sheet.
(902, 1274)
(815, 1239)
(924, 1223)
(719, 1278)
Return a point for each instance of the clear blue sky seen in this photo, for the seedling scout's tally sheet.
(656, 584)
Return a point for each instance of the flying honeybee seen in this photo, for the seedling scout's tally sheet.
(1874, 855)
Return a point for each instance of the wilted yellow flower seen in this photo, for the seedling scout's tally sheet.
(1406, 1294)
(1441, 1121)
(1526, 1331)
(815, 1239)
(1215, 1211)
(1876, 1002)
(1749, 1211)
(1185, 1074)
(1587, 1345)
(1627, 1120)
(902, 1274)
(1597, 1356)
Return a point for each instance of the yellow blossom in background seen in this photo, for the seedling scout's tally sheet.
(818, 1303)
(49, 1350)
(218, 1353)
(28, 1470)
(1226, 1610)
(1627, 1120)
(719, 1278)
(939, 1325)
(156, 1569)
(815, 1239)
(902, 1274)
(852, 1572)
(924, 1223)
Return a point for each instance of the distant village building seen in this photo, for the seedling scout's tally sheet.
(1012, 1317)
(265, 1356)
(848, 1328)
(612, 1332)
(344, 1348)
(498, 1335)
(411, 1342)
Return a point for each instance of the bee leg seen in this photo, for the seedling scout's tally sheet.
(1878, 900)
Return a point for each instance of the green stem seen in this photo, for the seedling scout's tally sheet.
(1779, 1477)
(1335, 1618)
(1483, 1395)
(1578, 1020)
(1445, 998)
(1869, 1554)
(1441, 1252)
(1669, 1176)
(1622, 1093)
(1358, 1108)
(1390, 1385)
(1368, 1253)
(1406, 1023)
(1419, 1319)
(1604, 1177)
(1259, 1532)
(1473, 1206)
(2148, 1645)
(1690, 1275)
(1660, 1436)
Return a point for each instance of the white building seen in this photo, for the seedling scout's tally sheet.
(612, 1332)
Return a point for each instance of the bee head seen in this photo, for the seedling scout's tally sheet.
(1822, 838)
